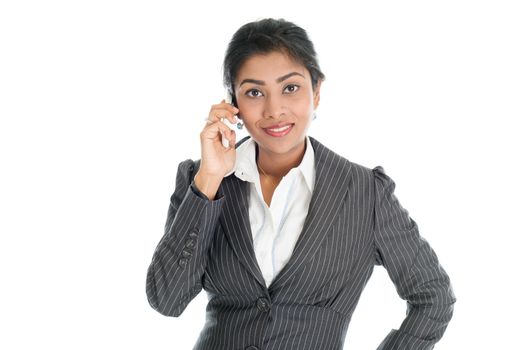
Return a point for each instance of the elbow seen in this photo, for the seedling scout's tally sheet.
(436, 291)
(438, 307)
(163, 308)
(446, 296)
(450, 301)
(159, 302)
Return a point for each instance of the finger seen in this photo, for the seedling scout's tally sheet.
(233, 138)
(230, 107)
(225, 105)
(213, 129)
(230, 135)
(219, 113)
(224, 108)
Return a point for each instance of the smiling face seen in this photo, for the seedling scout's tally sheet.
(274, 90)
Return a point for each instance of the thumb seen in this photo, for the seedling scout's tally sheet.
(232, 140)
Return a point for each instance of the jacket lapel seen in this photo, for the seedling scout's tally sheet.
(331, 186)
(235, 221)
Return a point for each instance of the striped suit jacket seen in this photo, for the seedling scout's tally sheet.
(354, 222)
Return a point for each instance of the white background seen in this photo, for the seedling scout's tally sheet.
(101, 100)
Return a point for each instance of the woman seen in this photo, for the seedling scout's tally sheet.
(282, 232)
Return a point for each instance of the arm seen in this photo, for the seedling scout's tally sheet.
(414, 268)
(175, 273)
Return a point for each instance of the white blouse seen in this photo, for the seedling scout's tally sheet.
(276, 228)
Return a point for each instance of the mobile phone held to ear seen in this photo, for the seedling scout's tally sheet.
(228, 98)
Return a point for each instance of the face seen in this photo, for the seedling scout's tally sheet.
(272, 89)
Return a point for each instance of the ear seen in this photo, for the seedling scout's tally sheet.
(316, 94)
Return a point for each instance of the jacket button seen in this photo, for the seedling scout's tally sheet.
(193, 234)
(252, 347)
(182, 263)
(190, 243)
(186, 253)
(263, 304)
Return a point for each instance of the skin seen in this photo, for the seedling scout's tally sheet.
(292, 100)
(262, 101)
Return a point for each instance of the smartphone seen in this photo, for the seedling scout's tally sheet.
(229, 99)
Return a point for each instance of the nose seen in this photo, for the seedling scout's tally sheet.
(274, 107)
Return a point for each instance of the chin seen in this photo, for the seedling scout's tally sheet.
(279, 146)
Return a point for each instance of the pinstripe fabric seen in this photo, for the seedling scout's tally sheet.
(276, 228)
(354, 223)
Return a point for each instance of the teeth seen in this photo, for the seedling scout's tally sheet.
(280, 129)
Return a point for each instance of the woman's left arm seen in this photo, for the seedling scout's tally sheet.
(414, 268)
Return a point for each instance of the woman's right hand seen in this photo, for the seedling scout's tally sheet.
(217, 160)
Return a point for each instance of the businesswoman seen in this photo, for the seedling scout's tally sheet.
(280, 231)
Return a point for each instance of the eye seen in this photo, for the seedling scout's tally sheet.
(252, 90)
(294, 86)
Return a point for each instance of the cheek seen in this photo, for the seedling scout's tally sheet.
(250, 110)
(302, 102)
(248, 113)
(302, 108)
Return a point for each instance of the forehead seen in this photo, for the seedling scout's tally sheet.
(269, 67)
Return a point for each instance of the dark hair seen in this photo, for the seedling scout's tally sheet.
(265, 36)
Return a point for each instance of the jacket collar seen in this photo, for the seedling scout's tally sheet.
(331, 186)
(246, 168)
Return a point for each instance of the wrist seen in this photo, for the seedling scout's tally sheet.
(208, 185)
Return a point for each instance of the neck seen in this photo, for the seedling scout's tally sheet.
(278, 165)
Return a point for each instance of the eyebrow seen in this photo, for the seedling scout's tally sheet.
(279, 80)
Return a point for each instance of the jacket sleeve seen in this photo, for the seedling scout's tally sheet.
(174, 276)
(414, 268)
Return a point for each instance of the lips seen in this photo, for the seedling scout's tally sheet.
(280, 131)
(277, 126)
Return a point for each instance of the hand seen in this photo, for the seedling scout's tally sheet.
(217, 160)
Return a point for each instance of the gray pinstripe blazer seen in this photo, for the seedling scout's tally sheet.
(354, 222)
